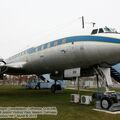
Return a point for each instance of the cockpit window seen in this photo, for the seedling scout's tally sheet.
(113, 30)
(104, 30)
(107, 29)
(94, 31)
(101, 30)
(110, 30)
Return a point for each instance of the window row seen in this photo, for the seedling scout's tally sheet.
(51, 44)
(41, 47)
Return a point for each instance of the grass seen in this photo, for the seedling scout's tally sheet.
(18, 96)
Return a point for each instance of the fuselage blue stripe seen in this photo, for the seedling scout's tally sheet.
(69, 40)
(93, 38)
(75, 39)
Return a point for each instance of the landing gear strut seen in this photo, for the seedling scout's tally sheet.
(54, 87)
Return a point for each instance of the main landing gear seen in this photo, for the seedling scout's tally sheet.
(56, 87)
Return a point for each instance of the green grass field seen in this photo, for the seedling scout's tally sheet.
(18, 96)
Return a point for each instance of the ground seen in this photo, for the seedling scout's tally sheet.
(19, 96)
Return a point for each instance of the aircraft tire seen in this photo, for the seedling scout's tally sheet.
(53, 88)
(58, 87)
(37, 87)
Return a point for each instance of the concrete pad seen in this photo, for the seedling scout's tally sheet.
(106, 111)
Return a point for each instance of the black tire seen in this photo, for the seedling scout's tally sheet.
(37, 87)
(106, 103)
(53, 88)
(58, 87)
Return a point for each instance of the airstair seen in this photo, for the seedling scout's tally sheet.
(115, 72)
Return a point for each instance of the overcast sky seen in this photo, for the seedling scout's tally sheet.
(25, 23)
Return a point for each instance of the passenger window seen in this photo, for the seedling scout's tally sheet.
(42, 47)
(64, 41)
(39, 48)
(94, 31)
(101, 30)
(55, 43)
(48, 45)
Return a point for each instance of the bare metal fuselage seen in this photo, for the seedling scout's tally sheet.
(83, 54)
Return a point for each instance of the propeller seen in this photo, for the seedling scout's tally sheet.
(2, 68)
(1, 60)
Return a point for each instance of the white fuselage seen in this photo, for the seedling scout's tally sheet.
(83, 53)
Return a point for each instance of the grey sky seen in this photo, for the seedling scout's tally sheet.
(24, 23)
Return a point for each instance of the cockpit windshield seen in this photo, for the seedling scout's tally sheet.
(104, 30)
(107, 29)
(110, 30)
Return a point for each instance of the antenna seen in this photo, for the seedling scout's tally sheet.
(83, 25)
(93, 23)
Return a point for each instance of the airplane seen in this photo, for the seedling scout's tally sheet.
(93, 53)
